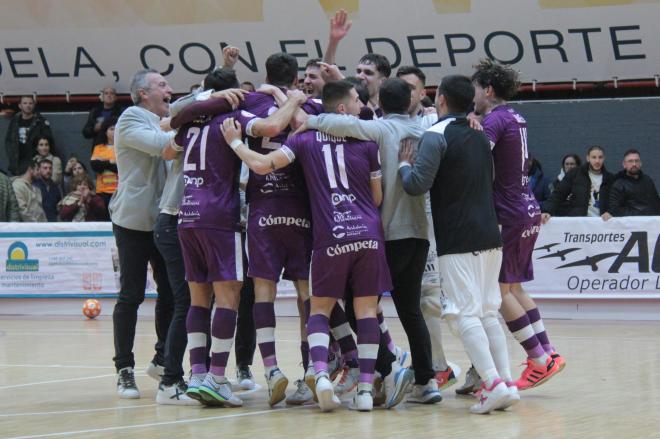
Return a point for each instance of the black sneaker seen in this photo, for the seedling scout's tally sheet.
(126, 387)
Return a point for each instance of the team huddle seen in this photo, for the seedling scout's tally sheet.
(347, 185)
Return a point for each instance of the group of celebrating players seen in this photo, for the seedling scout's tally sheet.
(348, 183)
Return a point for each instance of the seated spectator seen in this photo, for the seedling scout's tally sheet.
(81, 203)
(51, 194)
(28, 196)
(9, 212)
(583, 190)
(633, 193)
(73, 167)
(538, 182)
(108, 108)
(104, 163)
(568, 162)
(23, 130)
(46, 150)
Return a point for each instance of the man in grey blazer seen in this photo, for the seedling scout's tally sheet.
(140, 146)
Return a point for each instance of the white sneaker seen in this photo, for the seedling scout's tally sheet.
(155, 371)
(327, 399)
(193, 386)
(514, 396)
(302, 395)
(363, 401)
(218, 392)
(348, 381)
(401, 355)
(277, 383)
(396, 384)
(426, 394)
(244, 378)
(493, 398)
(174, 395)
(126, 387)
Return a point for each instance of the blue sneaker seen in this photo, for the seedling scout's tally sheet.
(396, 384)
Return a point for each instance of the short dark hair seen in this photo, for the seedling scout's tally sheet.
(314, 62)
(394, 96)
(221, 79)
(595, 147)
(107, 123)
(45, 161)
(631, 151)
(411, 70)
(503, 79)
(281, 69)
(27, 96)
(458, 92)
(25, 165)
(362, 91)
(381, 62)
(333, 92)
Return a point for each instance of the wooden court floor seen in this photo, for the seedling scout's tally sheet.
(57, 380)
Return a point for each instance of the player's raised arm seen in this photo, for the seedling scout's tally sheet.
(259, 163)
(339, 27)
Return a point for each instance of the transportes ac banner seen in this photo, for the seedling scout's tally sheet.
(79, 46)
(591, 258)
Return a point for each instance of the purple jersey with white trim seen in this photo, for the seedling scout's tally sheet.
(285, 182)
(338, 172)
(211, 173)
(514, 200)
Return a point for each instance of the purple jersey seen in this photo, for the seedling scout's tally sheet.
(285, 182)
(514, 199)
(211, 172)
(338, 173)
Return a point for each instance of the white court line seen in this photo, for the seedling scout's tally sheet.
(56, 381)
(155, 424)
(10, 415)
(56, 366)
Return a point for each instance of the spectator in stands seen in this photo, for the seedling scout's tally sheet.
(51, 194)
(108, 108)
(73, 167)
(568, 162)
(81, 203)
(22, 133)
(584, 189)
(538, 182)
(46, 150)
(28, 196)
(247, 86)
(104, 162)
(633, 193)
(8, 205)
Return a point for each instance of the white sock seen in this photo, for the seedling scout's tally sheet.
(430, 305)
(497, 344)
(476, 345)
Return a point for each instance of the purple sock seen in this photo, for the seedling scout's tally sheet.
(318, 331)
(224, 324)
(535, 319)
(341, 331)
(264, 322)
(368, 339)
(524, 333)
(198, 322)
(386, 332)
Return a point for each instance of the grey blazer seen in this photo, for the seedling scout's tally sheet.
(139, 142)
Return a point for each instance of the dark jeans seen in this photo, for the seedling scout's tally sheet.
(407, 260)
(166, 239)
(246, 335)
(135, 250)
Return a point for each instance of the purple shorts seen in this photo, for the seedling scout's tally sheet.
(519, 241)
(362, 265)
(211, 255)
(279, 237)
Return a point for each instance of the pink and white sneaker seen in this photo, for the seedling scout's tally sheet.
(492, 398)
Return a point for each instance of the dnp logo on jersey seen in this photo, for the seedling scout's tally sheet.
(17, 258)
